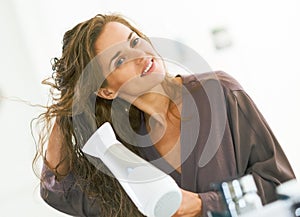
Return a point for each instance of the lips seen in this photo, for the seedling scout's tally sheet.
(148, 68)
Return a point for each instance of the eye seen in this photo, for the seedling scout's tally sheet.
(119, 62)
(134, 42)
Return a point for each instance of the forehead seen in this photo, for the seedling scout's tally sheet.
(112, 33)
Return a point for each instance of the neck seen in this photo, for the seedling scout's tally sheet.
(156, 104)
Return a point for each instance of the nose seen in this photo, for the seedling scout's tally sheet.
(137, 55)
(141, 60)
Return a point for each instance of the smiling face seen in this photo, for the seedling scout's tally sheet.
(129, 63)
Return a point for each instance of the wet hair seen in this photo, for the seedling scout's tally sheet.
(77, 51)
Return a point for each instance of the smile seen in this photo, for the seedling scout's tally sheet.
(147, 68)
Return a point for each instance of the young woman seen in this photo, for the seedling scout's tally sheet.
(200, 129)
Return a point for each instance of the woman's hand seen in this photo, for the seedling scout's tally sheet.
(191, 205)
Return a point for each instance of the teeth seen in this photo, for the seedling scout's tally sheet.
(147, 68)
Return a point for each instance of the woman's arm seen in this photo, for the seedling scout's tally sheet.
(58, 186)
(56, 156)
(257, 150)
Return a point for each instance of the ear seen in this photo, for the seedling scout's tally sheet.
(106, 93)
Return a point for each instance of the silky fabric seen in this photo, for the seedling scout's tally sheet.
(246, 146)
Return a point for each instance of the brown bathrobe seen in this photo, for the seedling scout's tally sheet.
(223, 136)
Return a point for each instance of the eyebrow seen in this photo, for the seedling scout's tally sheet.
(130, 35)
(118, 53)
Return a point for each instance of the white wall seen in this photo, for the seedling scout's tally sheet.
(264, 58)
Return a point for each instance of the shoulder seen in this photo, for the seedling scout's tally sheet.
(216, 77)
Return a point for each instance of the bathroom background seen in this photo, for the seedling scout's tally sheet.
(255, 41)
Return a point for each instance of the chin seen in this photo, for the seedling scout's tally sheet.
(139, 86)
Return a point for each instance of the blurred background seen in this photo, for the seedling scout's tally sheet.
(257, 42)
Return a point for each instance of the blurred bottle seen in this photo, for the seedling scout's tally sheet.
(240, 197)
(251, 199)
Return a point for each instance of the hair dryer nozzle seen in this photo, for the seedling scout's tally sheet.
(100, 141)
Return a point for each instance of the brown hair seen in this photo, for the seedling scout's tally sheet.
(78, 50)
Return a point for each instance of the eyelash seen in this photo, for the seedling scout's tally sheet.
(134, 42)
(119, 62)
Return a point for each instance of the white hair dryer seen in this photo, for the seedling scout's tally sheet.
(154, 192)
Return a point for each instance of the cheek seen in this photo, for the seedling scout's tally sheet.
(119, 77)
(114, 82)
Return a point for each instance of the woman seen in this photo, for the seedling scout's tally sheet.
(110, 72)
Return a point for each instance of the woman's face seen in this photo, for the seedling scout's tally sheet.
(129, 63)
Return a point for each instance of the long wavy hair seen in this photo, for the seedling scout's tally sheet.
(77, 52)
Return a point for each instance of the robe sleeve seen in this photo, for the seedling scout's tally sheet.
(256, 148)
(65, 195)
(257, 151)
(211, 201)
